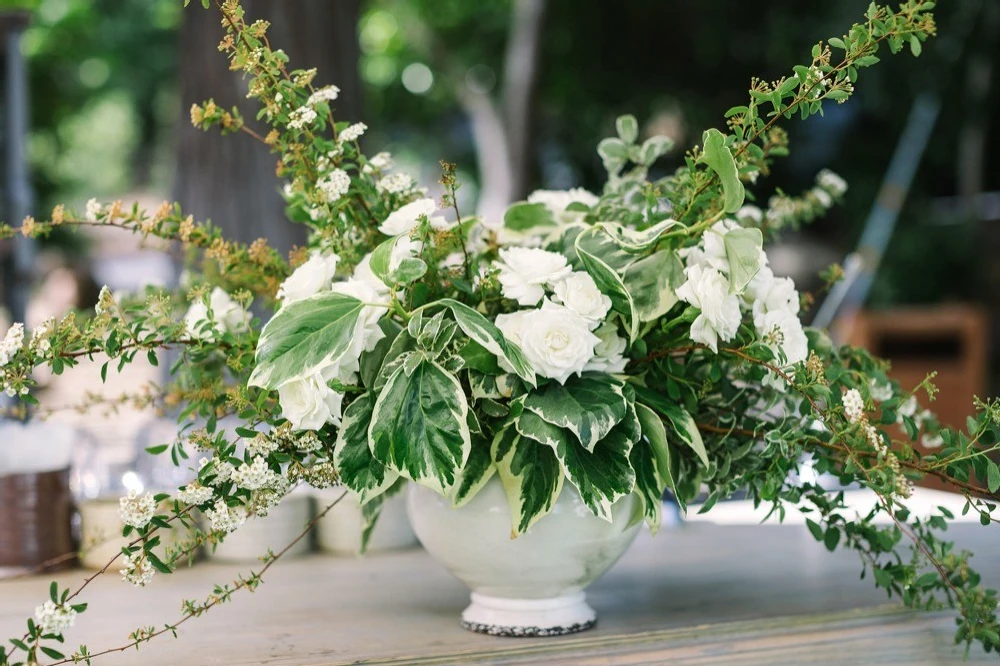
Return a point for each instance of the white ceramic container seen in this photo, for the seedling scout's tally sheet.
(532, 585)
(339, 531)
(274, 531)
(101, 532)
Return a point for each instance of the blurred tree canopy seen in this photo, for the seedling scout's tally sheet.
(105, 105)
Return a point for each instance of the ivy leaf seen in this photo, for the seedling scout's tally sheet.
(719, 158)
(531, 477)
(419, 425)
(358, 468)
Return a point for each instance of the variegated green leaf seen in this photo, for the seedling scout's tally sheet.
(523, 216)
(719, 158)
(370, 512)
(588, 406)
(531, 476)
(601, 476)
(483, 331)
(649, 281)
(610, 283)
(419, 427)
(477, 471)
(634, 241)
(357, 467)
(743, 252)
(651, 461)
(304, 337)
(371, 362)
(680, 420)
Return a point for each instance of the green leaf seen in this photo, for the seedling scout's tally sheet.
(157, 449)
(357, 467)
(588, 406)
(613, 150)
(632, 240)
(815, 529)
(475, 357)
(477, 471)
(601, 476)
(992, 476)
(419, 426)
(649, 283)
(831, 539)
(54, 592)
(628, 128)
(915, 46)
(303, 337)
(371, 511)
(653, 431)
(680, 421)
(653, 148)
(524, 216)
(371, 362)
(531, 477)
(719, 158)
(611, 284)
(52, 654)
(484, 332)
(743, 252)
(648, 483)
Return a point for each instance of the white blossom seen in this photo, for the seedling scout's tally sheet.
(137, 569)
(750, 214)
(782, 331)
(875, 440)
(136, 511)
(558, 200)
(334, 185)
(403, 248)
(854, 405)
(767, 293)
(831, 182)
(309, 403)
(579, 293)
(324, 94)
(407, 217)
(227, 316)
(226, 518)
(379, 162)
(934, 441)
(880, 392)
(255, 475)
(12, 342)
(261, 445)
(54, 619)
(556, 341)
(301, 118)
(708, 290)
(525, 272)
(394, 184)
(94, 210)
(194, 493)
(711, 249)
(609, 353)
(312, 277)
(352, 132)
(822, 197)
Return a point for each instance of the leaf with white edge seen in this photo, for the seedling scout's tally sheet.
(371, 362)
(745, 256)
(635, 241)
(716, 154)
(304, 337)
(613, 150)
(601, 476)
(409, 270)
(647, 483)
(588, 406)
(628, 128)
(531, 476)
(653, 447)
(654, 148)
(483, 331)
(370, 512)
(604, 246)
(524, 216)
(685, 427)
(419, 425)
(649, 282)
(610, 284)
(357, 467)
(381, 256)
(477, 471)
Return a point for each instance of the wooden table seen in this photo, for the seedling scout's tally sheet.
(697, 594)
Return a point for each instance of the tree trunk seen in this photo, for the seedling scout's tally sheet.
(230, 180)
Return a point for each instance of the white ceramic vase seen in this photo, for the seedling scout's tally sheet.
(277, 529)
(532, 585)
(339, 531)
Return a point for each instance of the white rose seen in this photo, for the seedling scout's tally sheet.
(363, 273)
(556, 341)
(708, 290)
(228, 316)
(403, 220)
(309, 279)
(579, 293)
(767, 293)
(609, 354)
(309, 403)
(367, 333)
(524, 272)
(557, 201)
(783, 332)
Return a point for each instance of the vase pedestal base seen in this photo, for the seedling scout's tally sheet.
(500, 616)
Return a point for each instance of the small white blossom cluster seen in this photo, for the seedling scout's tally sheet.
(54, 618)
(352, 132)
(194, 493)
(854, 406)
(831, 182)
(94, 210)
(334, 185)
(261, 445)
(12, 342)
(227, 316)
(40, 343)
(380, 162)
(137, 569)
(324, 94)
(226, 518)
(395, 183)
(254, 475)
(136, 511)
(568, 334)
(301, 118)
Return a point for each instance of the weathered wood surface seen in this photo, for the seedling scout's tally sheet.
(701, 594)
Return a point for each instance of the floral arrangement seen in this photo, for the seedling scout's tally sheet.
(634, 341)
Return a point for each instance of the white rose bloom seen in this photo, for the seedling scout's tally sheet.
(708, 290)
(367, 334)
(406, 218)
(309, 279)
(783, 332)
(309, 403)
(556, 341)
(228, 316)
(363, 273)
(557, 201)
(579, 293)
(767, 293)
(403, 249)
(441, 223)
(524, 273)
(711, 250)
(609, 354)
(750, 213)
